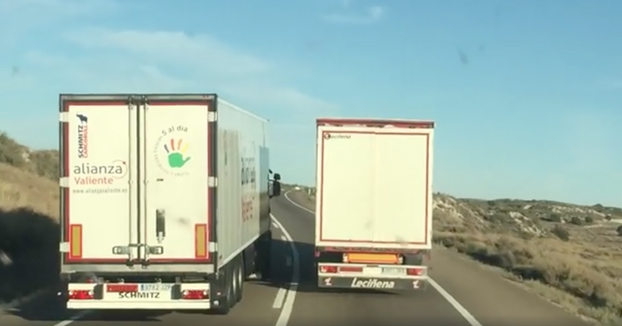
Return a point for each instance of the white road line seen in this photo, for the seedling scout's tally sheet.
(467, 315)
(452, 301)
(288, 306)
(296, 204)
(280, 297)
(283, 238)
(276, 226)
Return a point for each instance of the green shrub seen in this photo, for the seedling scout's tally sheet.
(561, 233)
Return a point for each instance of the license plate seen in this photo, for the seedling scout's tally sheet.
(155, 287)
(393, 270)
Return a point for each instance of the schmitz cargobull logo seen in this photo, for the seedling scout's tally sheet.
(372, 283)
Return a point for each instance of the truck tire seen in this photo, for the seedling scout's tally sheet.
(240, 280)
(228, 301)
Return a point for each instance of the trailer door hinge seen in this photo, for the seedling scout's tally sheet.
(64, 116)
(63, 247)
(213, 247)
(212, 182)
(212, 116)
(63, 182)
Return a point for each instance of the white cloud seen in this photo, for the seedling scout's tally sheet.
(371, 15)
(169, 61)
(200, 52)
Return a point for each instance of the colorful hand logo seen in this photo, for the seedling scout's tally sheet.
(176, 153)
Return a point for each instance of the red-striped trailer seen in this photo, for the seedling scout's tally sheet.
(141, 177)
(373, 225)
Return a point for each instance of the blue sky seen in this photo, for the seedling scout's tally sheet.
(527, 94)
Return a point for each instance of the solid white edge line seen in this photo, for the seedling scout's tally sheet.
(452, 301)
(288, 306)
(296, 204)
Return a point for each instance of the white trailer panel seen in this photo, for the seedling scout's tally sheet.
(242, 178)
(374, 184)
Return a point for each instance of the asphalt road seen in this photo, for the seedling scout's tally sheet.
(463, 294)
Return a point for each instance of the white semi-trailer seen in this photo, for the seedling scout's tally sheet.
(165, 201)
(373, 226)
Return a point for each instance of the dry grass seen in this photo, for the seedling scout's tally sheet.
(29, 209)
(20, 189)
(582, 274)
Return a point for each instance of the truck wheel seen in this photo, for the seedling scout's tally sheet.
(240, 278)
(234, 288)
(227, 301)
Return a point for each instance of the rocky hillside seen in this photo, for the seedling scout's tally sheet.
(522, 217)
(40, 162)
(29, 209)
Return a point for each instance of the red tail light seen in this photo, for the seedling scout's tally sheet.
(81, 295)
(328, 269)
(414, 271)
(350, 269)
(194, 294)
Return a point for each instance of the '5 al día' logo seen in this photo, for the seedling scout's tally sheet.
(171, 152)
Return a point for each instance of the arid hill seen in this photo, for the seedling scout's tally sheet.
(29, 210)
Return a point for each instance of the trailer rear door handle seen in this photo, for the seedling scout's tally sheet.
(160, 225)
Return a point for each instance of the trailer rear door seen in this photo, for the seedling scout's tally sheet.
(138, 181)
(178, 203)
(374, 184)
(99, 194)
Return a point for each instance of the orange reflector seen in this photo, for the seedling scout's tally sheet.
(372, 258)
(200, 240)
(75, 241)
